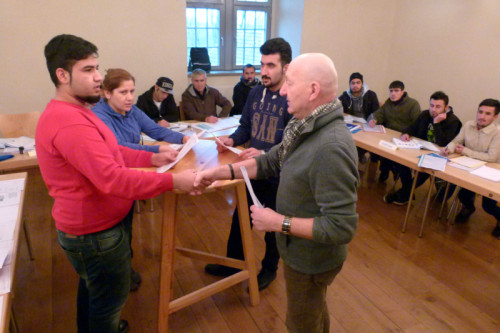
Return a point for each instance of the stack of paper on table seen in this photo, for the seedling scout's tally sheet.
(432, 161)
(13, 144)
(221, 124)
(350, 119)
(468, 161)
(487, 173)
(374, 129)
(353, 128)
(412, 144)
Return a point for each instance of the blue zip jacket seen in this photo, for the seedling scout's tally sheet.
(128, 128)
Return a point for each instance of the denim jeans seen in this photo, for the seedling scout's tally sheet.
(307, 310)
(102, 260)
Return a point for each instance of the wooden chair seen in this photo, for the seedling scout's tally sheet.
(182, 116)
(16, 125)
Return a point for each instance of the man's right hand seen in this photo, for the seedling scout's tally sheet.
(211, 119)
(225, 140)
(372, 123)
(184, 181)
(164, 123)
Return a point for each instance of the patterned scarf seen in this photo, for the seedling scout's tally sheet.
(296, 127)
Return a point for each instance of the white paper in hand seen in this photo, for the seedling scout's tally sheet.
(256, 201)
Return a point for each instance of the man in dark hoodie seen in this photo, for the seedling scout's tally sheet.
(241, 90)
(159, 103)
(438, 125)
(262, 123)
(398, 112)
(359, 100)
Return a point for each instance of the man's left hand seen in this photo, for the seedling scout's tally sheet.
(266, 219)
(459, 149)
(163, 158)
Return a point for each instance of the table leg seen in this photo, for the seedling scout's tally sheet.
(431, 185)
(167, 259)
(409, 201)
(246, 238)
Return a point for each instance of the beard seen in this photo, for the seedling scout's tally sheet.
(89, 99)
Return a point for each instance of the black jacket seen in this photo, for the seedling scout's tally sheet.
(240, 95)
(370, 102)
(168, 108)
(444, 131)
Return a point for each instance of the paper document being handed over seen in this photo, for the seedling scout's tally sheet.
(255, 201)
(187, 147)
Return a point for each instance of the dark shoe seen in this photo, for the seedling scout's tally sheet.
(396, 198)
(220, 270)
(496, 232)
(464, 214)
(123, 326)
(135, 280)
(265, 277)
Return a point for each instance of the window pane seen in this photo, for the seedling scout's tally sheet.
(203, 30)
(250, 35)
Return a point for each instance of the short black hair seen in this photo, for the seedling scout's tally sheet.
(439, 95)
(278, 45)
(491, 102)
(63, 51)
(397, 84)
(248, 66)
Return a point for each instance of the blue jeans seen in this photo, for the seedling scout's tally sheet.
(307, 310)
(102, 260)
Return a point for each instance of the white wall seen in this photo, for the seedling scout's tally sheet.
(451, 45)
(147, 38)
(430, 45)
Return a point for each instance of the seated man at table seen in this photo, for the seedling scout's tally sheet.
(359, 101)
(200, 101)
(479, 139)
(159, 103)
(242, 88)
(438, 125)
(398, 112)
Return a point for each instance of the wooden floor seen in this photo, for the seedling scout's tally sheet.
(447, 281)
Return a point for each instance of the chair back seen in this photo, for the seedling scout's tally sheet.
(182, 116)
(19, 124)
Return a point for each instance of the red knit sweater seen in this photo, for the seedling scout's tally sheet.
(86, 171)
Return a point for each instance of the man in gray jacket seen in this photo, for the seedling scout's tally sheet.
(315, 213)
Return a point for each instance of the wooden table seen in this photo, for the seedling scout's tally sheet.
(203, 155)
(18, 162)
(7, 298)
(409, 157)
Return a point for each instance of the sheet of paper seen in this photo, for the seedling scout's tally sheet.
(8, 219)
(427, 145)
(487, 173)
(412, 144)
(235, 150)
(187, 147)
(255, 201)
(432, 162)
(374, 129)
(461, 167)
(10, 192)
(221, 124)
(22, 141)
(468, 162)
(6, 249)
(5, 281)
(350, 119)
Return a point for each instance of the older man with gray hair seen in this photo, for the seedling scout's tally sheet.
(315, 213)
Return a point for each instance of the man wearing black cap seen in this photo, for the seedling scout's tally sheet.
(159, 103)
(358, 100)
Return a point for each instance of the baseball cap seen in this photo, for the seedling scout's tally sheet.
(165, 84)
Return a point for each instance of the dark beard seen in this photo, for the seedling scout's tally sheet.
(89, 99)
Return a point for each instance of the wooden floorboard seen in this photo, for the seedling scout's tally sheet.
(447, 281)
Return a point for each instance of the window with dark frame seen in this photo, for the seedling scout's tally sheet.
(231, 30)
